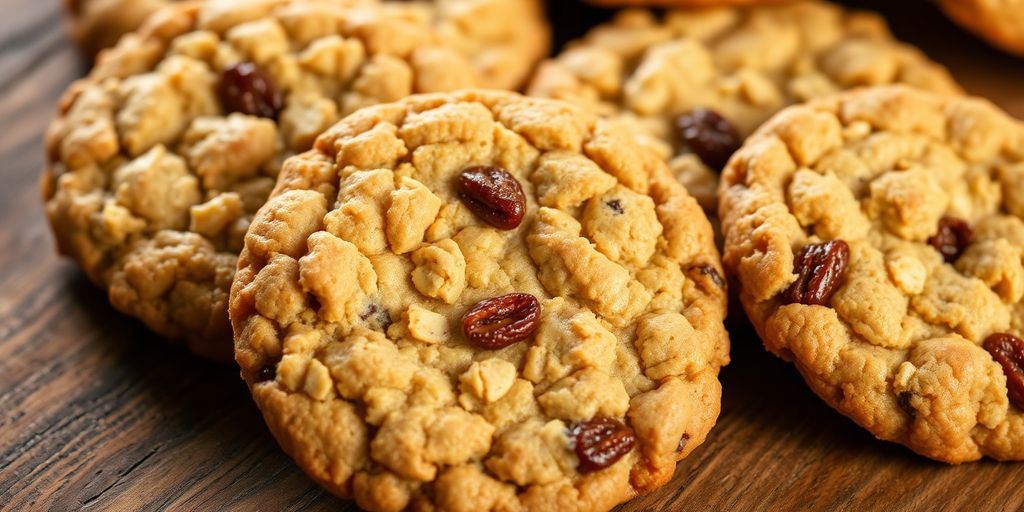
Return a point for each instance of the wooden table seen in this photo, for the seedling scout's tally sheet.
(95, 413)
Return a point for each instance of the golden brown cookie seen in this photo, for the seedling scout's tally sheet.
(681, 3)
(480, 301)
(666, 73)
(160, 157)
(504, 52)
(1000, 22)
(98, 24)
(877, 238)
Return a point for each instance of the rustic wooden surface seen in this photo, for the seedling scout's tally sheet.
(96, 414)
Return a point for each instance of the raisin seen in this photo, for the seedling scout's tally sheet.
(616, 206)
(268, 372)
(712, 274)
(682, 442)
(376, 313)
(244, 88)
(379, 314)
(820, 269)
(952, 239)
(384, 320)
(501, 321)
(600, 442)
(494, 195)
(713, 138)
(1008, 351)
(371, 311)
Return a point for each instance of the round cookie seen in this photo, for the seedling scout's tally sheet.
(877, 240)
(505, 53)
(480, 301)
(1000, 22)
(744, 64)
(159, 158)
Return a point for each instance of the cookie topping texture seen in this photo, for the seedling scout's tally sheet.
(593, 336)
(503, 53)
(744, 64)
(159, 159)
(900, 346)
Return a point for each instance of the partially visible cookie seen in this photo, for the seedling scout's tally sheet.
(1001, 22)
(680, 3)
(98, 24)
(505, 53)
(742, 64)
(504, 39)
(878, 241)
(480, 301)
(159, 158)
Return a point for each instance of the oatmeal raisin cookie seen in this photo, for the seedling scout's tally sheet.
(480, 301)
(878, 241)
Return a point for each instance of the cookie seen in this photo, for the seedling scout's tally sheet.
(480, 301)
(877, 240)
(695, 82)
(679, 3)
(504, 53)
(160, 157)
(98, 24)
(999, 22)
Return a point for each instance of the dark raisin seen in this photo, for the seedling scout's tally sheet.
(713, 138)
(501, 321)
(712, 274)
(682, 442)
(377, 314)
(384, 320)
(494, 195)
(268, 372)
(371, 310)
(1008, 351)
(600, 442)
(820, 269)
(616, 206)
(952, 239)
(244, 88)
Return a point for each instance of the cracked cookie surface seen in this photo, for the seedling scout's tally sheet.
(152, 180)
(366, 330)
(877, 239)
(504, 53)
(745, 63)
(1001, 22)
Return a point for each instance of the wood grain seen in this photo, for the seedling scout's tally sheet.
(96, 414)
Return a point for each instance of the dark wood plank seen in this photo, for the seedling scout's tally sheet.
(96, 414)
